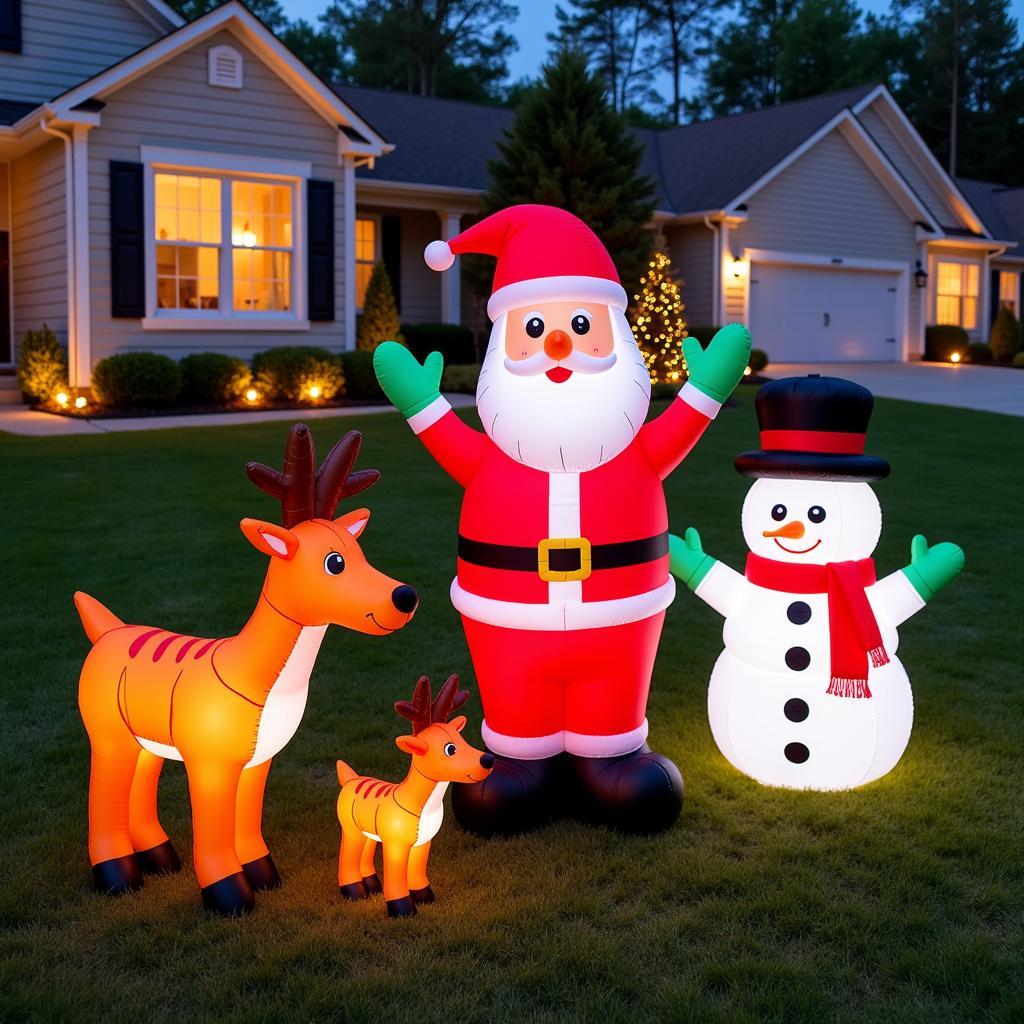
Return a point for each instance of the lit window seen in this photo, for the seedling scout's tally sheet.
(956, 300)
(196, 261)
(366, 255)
(1009, 291)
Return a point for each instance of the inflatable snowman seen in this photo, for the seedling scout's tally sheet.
(808, 693)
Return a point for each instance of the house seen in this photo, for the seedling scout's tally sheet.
(182, 187)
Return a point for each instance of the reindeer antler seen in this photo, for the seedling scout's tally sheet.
(422, 713)
(308, 493)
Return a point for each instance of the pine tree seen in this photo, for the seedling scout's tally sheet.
(379, 320)
(568, 148)
(658, 323)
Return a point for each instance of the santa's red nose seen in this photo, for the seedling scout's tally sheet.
(557, 345)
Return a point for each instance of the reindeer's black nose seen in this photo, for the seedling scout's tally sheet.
(487, 760)
(404, 598)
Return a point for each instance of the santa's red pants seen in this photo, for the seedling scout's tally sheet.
(584, 691)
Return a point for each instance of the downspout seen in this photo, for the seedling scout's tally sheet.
(70, 248)
(716, 306)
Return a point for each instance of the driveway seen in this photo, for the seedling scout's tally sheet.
(986, 388)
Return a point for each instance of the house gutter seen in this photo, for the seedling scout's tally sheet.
(716, 282)
(70, 249)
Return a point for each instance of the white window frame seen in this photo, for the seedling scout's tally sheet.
(978, 299)
(376, 218)
(228, 167)
(998, 297)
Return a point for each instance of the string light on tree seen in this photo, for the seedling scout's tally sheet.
(658, 323)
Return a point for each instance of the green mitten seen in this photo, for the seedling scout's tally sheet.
(931, 568)
(409, 386)
(686, 558)
(717, 369)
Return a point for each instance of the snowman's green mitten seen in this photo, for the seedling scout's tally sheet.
(686, 558)
(410, 387)
(931, 568)
(717, 369)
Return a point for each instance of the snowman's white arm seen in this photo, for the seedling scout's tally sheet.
(894, 598)
(721, 588)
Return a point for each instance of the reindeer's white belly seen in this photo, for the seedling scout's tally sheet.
(285, 704)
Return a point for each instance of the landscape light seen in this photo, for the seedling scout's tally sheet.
(61, 398)
(81, 402)
(954, 357)
(747, 371)
(252, 395)
(314, 391)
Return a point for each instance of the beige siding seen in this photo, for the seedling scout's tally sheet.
(421, 286)
(880, 131)
(174, 106)
(691, 249)
(65, 42)
(38, 241)
(829, 203)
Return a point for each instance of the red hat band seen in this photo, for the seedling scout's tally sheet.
(831, 442)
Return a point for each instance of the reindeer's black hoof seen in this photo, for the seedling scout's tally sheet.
(118, 875)
(230, 896)
(159, 860)
(403, 907)
(353, 891)
(424, 895)
(373, 884)
(262, 873)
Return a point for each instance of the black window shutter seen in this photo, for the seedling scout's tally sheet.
(391, 253)
(320, 249)
(127, 241)
(994, 304)
(10, 26)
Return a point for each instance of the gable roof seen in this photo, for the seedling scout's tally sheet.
(1000, 207)
(15, 110)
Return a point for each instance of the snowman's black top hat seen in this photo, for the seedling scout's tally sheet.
(813, 427)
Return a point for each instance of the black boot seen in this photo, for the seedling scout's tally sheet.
(637, 792)
(516, 797)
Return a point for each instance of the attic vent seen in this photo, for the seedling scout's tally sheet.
(225, 67)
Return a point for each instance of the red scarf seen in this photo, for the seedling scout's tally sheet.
(853, 631)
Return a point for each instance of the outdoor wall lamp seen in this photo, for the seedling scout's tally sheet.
(920, 276)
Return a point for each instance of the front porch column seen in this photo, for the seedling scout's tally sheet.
(80, 360)
(349, 265)
(451, 280)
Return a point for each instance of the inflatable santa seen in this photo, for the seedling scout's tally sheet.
(562, 575)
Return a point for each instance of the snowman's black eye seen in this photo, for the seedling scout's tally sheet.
(816, 513)
(580, 324)
(334, 564)
(535, 327)
(779, 513)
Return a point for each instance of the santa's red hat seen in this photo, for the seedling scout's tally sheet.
(544, 255)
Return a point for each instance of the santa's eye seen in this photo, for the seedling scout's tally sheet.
(816, 513)
(534, 327)
(779, 513)
(580, 323)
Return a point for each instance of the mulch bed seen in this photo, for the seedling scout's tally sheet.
(94, 411)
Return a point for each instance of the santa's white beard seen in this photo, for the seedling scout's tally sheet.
(568, 427)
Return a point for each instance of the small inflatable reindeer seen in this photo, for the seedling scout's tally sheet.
(226, 707)
(405, 816)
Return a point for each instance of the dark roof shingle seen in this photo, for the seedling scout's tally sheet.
(12, 111)
(1001, 208)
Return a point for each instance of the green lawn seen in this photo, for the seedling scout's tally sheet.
(899, 902)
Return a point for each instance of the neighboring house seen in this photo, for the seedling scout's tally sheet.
(179, 187)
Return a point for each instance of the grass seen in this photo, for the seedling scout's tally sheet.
(898, 902)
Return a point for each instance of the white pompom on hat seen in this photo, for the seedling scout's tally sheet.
(438, 256)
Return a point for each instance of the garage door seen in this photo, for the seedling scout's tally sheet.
(805, 314)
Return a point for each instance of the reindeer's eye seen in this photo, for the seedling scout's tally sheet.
(449, 749)
(334, 564)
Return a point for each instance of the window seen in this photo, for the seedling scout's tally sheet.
(224, 246)
(366, 255)
(956, 295)
(1009, 289)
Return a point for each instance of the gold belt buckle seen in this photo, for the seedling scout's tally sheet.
(549, 544)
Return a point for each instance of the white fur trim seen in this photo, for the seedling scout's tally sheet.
(429, 416)
(582, 745)
(438, 255)
(555, 289)
(696, 399)
(561, 616)
(525, 748)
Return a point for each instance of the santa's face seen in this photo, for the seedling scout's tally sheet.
(811, 522)
(563, 387)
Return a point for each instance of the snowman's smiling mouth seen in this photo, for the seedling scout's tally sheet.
(796, 551)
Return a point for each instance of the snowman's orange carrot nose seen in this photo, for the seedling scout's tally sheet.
(794, 530)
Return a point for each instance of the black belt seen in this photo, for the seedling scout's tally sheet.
(560, 559)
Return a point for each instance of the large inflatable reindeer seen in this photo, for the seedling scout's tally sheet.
(226, 706)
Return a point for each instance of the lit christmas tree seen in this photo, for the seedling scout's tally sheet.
(658, 324)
